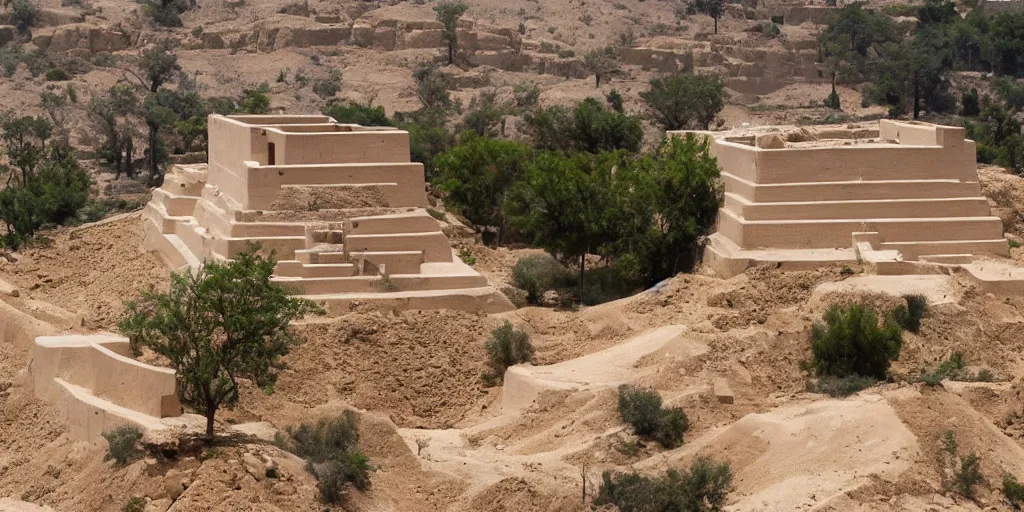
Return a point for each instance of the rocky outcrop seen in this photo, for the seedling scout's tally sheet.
(84, 36)
(58, 17)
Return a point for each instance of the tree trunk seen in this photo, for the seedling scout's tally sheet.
(583, 265)
(129, 150)
(451, 53)
(153, 128)
(716, 24)
(833, 82)
(211, 410)
(597, 78)
(917, 99)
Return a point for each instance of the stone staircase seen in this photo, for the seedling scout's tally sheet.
(340, 206)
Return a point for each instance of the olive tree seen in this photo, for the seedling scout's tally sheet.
(225, 322)
(448, 13)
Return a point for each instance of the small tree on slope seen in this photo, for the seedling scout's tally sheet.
(225, 322)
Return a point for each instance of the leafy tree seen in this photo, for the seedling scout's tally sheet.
(1007, 40)
(485, 114)
(476, 175)
(111, 115)
(224, 322)
(355, 113)
(562, 204)
(158, 66)
(589, 127)
(255, 101)
(713, 8)
(52, 193)
(432, 86)
(851, 342)
(685, 100)
(23, 14)
(615, 100)
(668, 203)
(448, 13)
(969, 103)
(167, 13)
(601, 62)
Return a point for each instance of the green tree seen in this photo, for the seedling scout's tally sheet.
(713, 8)
(432, 86)
(111, 115)
(589, 127)
(157, 67)
(224, 322)
(669, 202)
(448, 13)
(23, 14)
(563, 204)
(1007, 43)
(166, 13)
(485, 114)
(475, 177)
(53, 193)
(916, 71)
(602, 63)
(356, 113)
(685, 100)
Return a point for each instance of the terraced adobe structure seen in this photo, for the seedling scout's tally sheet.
(902, 197)
(341, 206)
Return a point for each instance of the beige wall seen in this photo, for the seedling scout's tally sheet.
(264, 182)
(95, 362)
(388, 146)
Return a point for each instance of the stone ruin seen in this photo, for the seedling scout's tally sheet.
(342, 207)
(900, 197)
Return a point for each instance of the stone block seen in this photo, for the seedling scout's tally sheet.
(384, 38)
(362, 34)
(723, 393)
(425, 39)
(328, 19)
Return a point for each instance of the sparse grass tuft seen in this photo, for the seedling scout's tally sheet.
(838, 387)
(703, 488)
(136, 504)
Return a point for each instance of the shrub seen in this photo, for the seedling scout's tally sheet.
(909, 316)
(685, 100)
(965, 470)
(329, 448)
(136, 504)
(672, 425)
(477, 174)
(166, 13)
(467, 257)
(832, 101)
(702, 488)
(641, 408)
(538, 273)
(328, 87)
(526, 95)
(507, 347)
(851, 342)
(121, 444)
(838, 387)
(1013, 490)
(57, 75)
